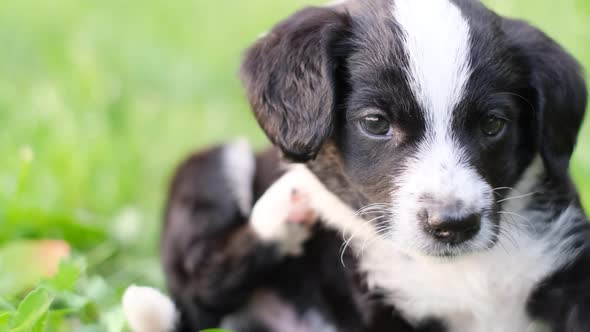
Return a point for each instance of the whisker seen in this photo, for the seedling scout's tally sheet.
(381, 235)
(501, 245)
(508, 237)
(497, 194)
(367, 243)
(373, 205)
(381, 225)
(502, 188)
(343, 250)
(372, 212)
(517, 197)
(530, 224)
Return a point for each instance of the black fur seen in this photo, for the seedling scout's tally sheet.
(204, 236)
(560, 95)
(563, 299)
(218, 271)
(287, 72)
(310, 80)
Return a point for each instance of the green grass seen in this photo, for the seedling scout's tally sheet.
(100, 99)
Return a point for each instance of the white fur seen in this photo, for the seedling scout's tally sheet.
(480, 292)
(239, 165)
(484, 291)
(148, 310)
(437, 42)
(270, 214)
(522, 193)
(333, 211)
(438, 172)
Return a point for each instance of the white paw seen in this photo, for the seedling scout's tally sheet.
(283, 215)
(148, 310)
(273, 208)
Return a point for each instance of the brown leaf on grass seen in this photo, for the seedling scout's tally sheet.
(26, 262)
(49, 253)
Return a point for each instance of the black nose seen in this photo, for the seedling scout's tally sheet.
(450, 229)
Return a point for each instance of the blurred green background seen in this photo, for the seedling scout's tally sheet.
(99, 100)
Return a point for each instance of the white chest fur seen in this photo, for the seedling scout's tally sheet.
(482, 292)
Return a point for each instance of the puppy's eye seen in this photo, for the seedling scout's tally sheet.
(376, 125)
(493, 125)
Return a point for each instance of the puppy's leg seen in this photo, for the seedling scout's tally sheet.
(283, 216)
(275, 207)
(212, 259)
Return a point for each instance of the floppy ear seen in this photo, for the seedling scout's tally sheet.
(559, 91)
(288, 78)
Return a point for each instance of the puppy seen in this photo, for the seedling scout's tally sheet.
(263, 269)
(451, 129)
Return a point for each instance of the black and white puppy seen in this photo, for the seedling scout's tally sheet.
(451, 128)
(248, 269)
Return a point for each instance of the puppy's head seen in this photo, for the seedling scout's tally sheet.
(433, 107)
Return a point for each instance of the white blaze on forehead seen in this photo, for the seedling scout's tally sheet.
(436, 41)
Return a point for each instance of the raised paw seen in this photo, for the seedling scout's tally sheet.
(284, 215)
(300, 210)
